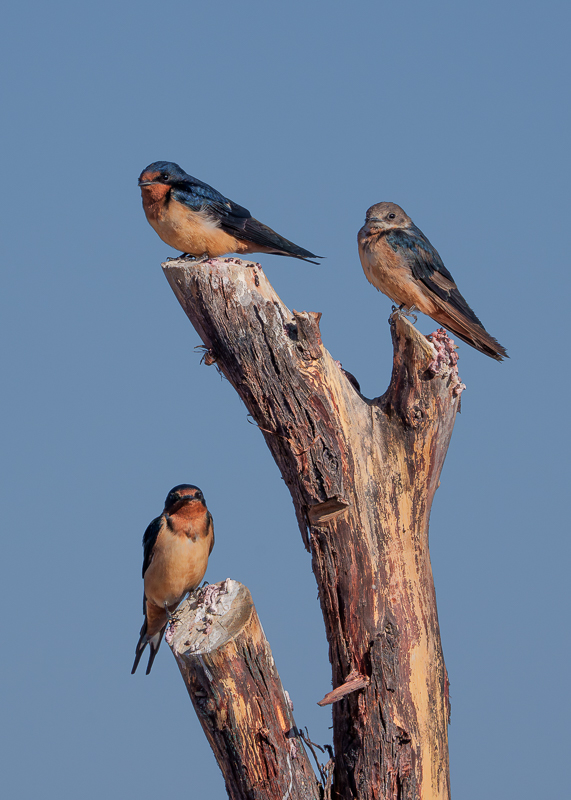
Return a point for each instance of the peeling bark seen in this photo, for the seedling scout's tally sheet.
(362, 474)
(228, 668)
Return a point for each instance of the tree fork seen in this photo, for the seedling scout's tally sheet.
(362, 474)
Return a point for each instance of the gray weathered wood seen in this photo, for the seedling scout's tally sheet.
(229, 671)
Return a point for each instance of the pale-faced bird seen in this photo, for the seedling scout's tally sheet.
(398, 259)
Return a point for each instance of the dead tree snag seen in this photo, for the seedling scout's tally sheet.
(362, 474)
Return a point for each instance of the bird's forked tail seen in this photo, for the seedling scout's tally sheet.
(154, 643)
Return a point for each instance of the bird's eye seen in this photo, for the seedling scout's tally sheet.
(392, 216)
(165, 176)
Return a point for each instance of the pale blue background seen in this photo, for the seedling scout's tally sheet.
(306, 113)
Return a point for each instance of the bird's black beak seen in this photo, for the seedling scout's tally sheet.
(146, 183)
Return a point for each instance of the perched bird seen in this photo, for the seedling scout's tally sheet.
(399, 260)
(193, 217)
(176, 547)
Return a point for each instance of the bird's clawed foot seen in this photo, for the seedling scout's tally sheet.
(407, 312)
(190, 257)
(196, 259)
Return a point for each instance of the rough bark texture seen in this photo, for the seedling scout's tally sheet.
(362, 474)
(228, 669)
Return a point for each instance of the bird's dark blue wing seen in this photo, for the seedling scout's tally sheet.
(424, 260)
(149, 540)
(198, 195)
(233, 218)
(210, 524)
(252, 230)
(426, 266)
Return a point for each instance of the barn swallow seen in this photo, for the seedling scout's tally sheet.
(176, 547)
(399, 260)
(191, 216)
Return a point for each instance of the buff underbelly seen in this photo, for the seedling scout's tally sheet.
(397, 282)
(192, 232)
(175, 569)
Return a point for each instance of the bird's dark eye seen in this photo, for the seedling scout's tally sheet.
(392, 216)
(165, 176)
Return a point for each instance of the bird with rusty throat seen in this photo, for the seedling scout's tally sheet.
(191, 216)
(399, 260)
(176, 547)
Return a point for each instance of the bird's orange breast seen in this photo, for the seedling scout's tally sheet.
(194, 232)
(177, 567)
(390, 273)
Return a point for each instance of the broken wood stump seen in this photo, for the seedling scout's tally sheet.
(228, 668)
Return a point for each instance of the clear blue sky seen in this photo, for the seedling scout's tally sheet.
(306, 113)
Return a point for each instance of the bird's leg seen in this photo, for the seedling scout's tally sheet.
(187, 257)
(168, 613)
(195, 593)
(408, 312)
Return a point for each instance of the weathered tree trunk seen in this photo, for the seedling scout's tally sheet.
(228, 669)
(362, 474)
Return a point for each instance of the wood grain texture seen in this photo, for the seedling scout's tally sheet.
(362, 474)
(229, 671)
